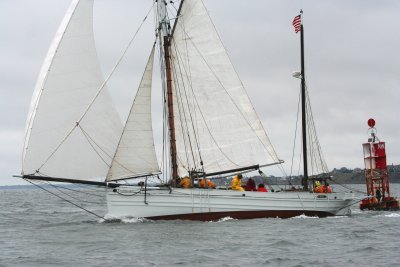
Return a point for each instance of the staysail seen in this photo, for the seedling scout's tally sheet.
(60, 142)
(216, 124)
(136, 153)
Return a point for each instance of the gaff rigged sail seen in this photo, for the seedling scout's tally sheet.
(216, 123)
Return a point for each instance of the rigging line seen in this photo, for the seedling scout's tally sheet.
(77, 191)
(163, 101)
(295, 133)
(181, 111)
(310, 146)
(188, 71)
(272, 155)
(348, 187)
(324, 166)
(318, 145)
(88, 138)
(182, 164)
(189, 78)
(179, 60)
(172, 4)
(117, 64)
(164, 148)
(99, 90)
(268, 140)
(166, 162)
(310, 143)
(123, 131)
(76, 205)
(179, 88)
(311, 139)
(73, 197)
(208, 129)
(300, 161)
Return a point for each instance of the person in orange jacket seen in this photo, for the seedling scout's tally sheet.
(202, 184)
(186, 183)
(318, 188)
(237, 183)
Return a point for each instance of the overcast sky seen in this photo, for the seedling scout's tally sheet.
(352, 66)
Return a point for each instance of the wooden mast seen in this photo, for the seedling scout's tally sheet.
(170, 104)
(165, 37)
(303, 106)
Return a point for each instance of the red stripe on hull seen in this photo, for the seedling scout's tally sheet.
(214, 216)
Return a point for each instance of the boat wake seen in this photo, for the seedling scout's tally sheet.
(123, 220)
(391, 215)
(225, 219)
(303, 216)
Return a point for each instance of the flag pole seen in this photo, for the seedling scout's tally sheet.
(303, 106)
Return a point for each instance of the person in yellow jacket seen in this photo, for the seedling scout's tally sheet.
(237, 183)
(185, 182)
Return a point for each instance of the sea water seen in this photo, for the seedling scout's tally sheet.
(39, 229)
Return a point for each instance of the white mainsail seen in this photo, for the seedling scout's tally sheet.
(67, 85)
(215, 121)
(136, 153)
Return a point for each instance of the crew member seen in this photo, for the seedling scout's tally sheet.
(237, 183)
(327, 188)
(261, 188)
(250, 185)
(186, 183)
(318, 187)
(202, 183)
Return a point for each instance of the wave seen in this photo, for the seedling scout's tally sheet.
(110, 219)
(225, 219)
(303, 216)
(391, 215)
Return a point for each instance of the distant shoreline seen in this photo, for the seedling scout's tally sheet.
(339, 176)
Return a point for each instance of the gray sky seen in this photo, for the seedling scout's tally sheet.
(352, 66)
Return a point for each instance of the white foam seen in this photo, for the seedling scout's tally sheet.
(393, 215)
(303, 216)
(225, 219)
(109, 219)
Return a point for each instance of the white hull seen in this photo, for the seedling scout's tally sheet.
(213, 204)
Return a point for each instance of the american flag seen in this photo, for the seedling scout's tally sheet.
(297, 23)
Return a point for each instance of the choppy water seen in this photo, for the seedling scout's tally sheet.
(37, 229)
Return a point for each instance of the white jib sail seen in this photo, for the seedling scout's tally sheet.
(214, 117)
(136, 153)
(68, 82)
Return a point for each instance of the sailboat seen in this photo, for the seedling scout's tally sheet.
(74, 133)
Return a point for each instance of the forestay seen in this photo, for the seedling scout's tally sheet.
(136, 153)
(68, 83)
(215, 121)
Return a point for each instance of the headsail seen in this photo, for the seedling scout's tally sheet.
(68, 82)
(216, 123)
(136, 153)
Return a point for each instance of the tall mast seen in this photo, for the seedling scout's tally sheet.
(303, 105)
(164, 30)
